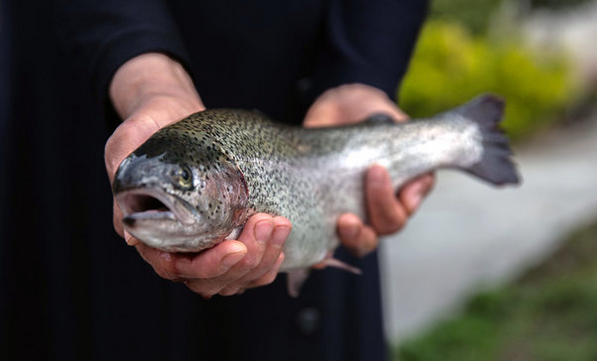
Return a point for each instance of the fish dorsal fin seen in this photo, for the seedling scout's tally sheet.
(379, 118)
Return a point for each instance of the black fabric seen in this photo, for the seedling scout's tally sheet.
(70, 289)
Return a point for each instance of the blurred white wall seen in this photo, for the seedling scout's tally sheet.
(574, 31)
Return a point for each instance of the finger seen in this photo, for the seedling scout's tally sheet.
(207, 264)
(355, 236)
(254, 236)
(265, 279)
(412, 194)
(128, 135)
(399, 115)
(117, 218)
(272, 253)
(269, 276)
(386, 214)
(130, 240)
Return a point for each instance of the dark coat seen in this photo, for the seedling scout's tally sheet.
(70, 289)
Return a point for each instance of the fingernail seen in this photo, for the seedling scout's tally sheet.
(349, 231)
(231, 259)
(280, 235)
(263, 230)
(376, 177)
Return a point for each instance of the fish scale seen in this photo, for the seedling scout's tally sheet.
(216, 168)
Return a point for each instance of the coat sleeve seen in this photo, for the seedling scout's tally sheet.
(368, 41)
(100, 35)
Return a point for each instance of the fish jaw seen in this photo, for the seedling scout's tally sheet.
(163, 221)
(148, 203)
(167, 212)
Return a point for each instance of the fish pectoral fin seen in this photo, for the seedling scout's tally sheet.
(235, 233)
(333, 262)
(295, 280)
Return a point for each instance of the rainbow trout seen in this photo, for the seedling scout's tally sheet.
(196, 182)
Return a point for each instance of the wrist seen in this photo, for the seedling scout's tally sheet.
(150, 76)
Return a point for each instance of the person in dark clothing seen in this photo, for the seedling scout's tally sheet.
(69, 289)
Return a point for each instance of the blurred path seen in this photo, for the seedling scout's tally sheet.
(468, 234)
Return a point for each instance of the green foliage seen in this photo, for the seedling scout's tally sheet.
(550, 314)
(474, 15)
(450, 66)
(557, 4)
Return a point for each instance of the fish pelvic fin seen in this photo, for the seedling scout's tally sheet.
(496, 165)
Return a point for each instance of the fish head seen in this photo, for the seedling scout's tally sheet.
(180, 199)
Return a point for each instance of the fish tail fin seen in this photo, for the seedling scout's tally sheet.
(496, 166)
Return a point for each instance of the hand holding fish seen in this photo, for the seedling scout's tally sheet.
(150, 92)
(387, 212)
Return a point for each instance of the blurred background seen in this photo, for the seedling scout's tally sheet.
(485, 274)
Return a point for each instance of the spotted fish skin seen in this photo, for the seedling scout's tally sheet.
(241, 164)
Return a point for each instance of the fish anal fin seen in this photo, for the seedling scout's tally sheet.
(295, 280)
(234, 233)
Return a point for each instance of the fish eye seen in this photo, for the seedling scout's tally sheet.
(184, 177)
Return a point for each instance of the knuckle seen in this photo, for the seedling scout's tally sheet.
(207, 271)
(390, 222)
(271, 275)
(250, 262)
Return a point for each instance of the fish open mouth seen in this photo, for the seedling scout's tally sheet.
(146, 204)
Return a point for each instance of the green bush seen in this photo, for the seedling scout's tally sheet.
(450, 66)
(474, 15)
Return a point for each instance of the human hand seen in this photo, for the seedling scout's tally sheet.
(150, 92)
(388, 213)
